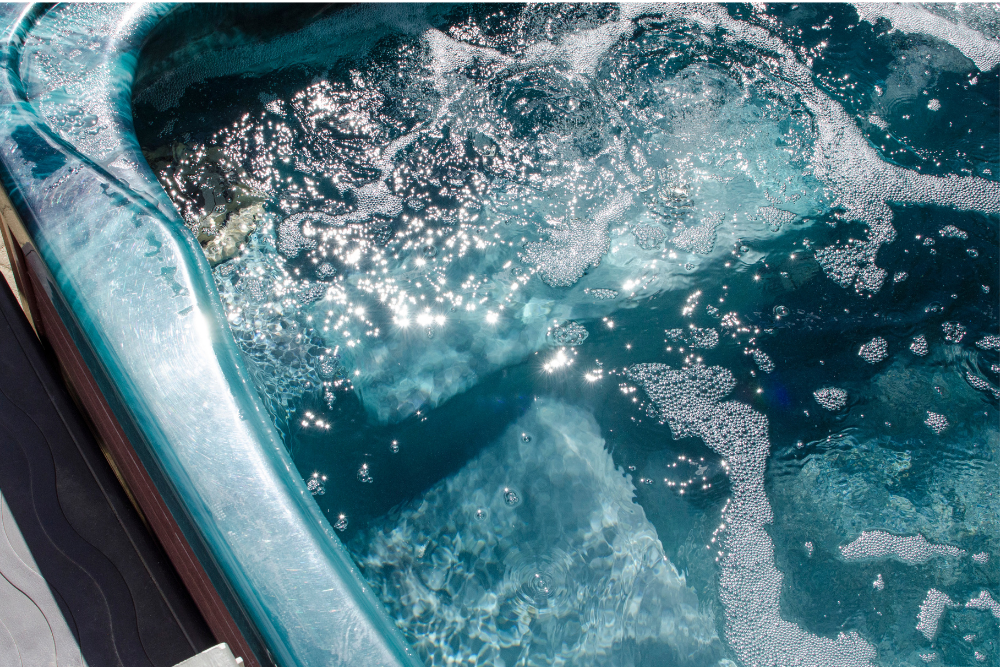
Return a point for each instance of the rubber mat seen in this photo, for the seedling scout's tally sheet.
(68, 523)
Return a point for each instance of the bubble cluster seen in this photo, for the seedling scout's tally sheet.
(774, 217)
(879, 583)
(852, 264)
(291, 241)
(573, 246)
(918, 345)
(701, 238)
(703, 338)
(648, 237)
(695, 337)
(365, 474)
(831, 398)
(952, 232)
(953, 332)
(569, 334)
(909, 549)
(601, 294)
(315, 485)
(990, 342)
(900, 276)
(874, 350)
(980, 383)
(762, 360)
(936, 422)
(982, 557)
(985, 602)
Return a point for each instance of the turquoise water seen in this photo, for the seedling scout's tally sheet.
(619, 335)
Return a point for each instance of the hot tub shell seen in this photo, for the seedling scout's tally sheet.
(124, 296)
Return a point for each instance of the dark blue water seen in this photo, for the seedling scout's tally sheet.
(542, 299)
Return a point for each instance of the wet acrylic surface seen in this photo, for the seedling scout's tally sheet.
(619, 335)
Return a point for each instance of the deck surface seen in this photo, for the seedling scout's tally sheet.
(82, 581)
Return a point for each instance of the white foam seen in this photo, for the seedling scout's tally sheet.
(931, 611)
(910, 549)
(911, 18)
(862, 183)
(985, 602)
(689, 401)
(576, 245)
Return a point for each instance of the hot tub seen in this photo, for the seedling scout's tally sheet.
(413, 329)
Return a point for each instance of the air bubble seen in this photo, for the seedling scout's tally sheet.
(780, 311)
(510, 497)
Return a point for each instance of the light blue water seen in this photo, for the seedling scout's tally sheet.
(621, 335)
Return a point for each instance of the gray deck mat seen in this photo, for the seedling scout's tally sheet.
(82, 581)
